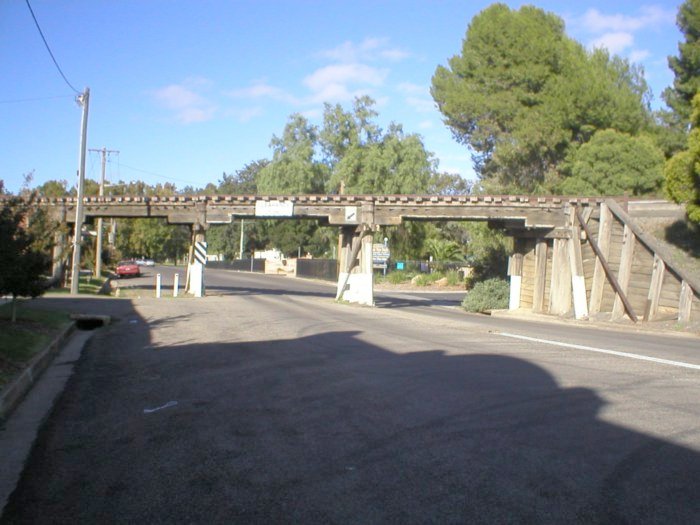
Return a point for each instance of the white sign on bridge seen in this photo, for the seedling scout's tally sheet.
(274, 208)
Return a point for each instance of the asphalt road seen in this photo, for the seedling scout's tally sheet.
(267, 402)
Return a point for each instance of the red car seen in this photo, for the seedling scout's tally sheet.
(128, 269)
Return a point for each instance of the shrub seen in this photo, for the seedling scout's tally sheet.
(453, 278)
(492, 294)
(399, 277)
(426, 279)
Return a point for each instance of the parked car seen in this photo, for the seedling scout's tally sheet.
(128, 269)
(145, 262)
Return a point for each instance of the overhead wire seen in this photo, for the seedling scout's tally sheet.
(36, 22)
(172, 179)
(15, 101)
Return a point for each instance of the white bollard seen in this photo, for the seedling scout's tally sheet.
(158, 285)
(176, 284)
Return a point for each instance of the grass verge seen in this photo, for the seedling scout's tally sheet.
(22, 340)
(86, 284)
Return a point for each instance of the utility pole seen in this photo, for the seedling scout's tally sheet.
(98, 248)
(84, 101)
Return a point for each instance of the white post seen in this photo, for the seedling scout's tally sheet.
(176, 284)
(158, 285)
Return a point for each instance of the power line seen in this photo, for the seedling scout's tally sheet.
(49, 49)
(154, 174)
(33, 99)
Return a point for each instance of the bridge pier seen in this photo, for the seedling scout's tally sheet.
(356, 275)
(197, 261)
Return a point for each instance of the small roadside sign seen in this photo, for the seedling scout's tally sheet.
(380, 255)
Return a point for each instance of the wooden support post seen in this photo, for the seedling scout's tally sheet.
(540, 275)
(623, 275)
(685, 302)
(606, 269)
(602, 254)
(578, 281)
(353, 243)
(560, 292)
(58, 265)
(657, 281)
(515, 271)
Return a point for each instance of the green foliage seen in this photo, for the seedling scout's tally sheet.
(682, 171)
(492, 294)
(364, 159)
(488, 253)
(293, 169)
(614, 163)
(679, 177)
(290, 237)
(426, 279)
(448, 184)
(243, 182)
(522, 94)
(406, 240)
(443, 251)
(153, 238)
(686, 65)
(397, 163)
(53, 188)
(399, 277)
(22, 266)
(453, 278)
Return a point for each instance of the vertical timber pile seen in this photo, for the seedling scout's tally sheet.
(606, 267)
(356, 277)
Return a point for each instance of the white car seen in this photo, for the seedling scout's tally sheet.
(145, 262)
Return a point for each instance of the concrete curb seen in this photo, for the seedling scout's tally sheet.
(12, 395)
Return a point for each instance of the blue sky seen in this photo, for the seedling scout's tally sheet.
(187, 90)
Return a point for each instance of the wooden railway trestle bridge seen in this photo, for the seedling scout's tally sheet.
(585, 256)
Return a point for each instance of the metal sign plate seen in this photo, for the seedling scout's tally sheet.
(274, 208)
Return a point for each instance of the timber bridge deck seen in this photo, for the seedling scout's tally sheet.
(583, 256)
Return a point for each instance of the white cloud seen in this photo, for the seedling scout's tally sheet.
(345, 74)
(426, 124)
(343, 82)
(370, 49)
(262, 89)
(649, 17)
(614, 42)
(187, 105)
(617, 32)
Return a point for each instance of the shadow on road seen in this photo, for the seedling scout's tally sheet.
(330, 429)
